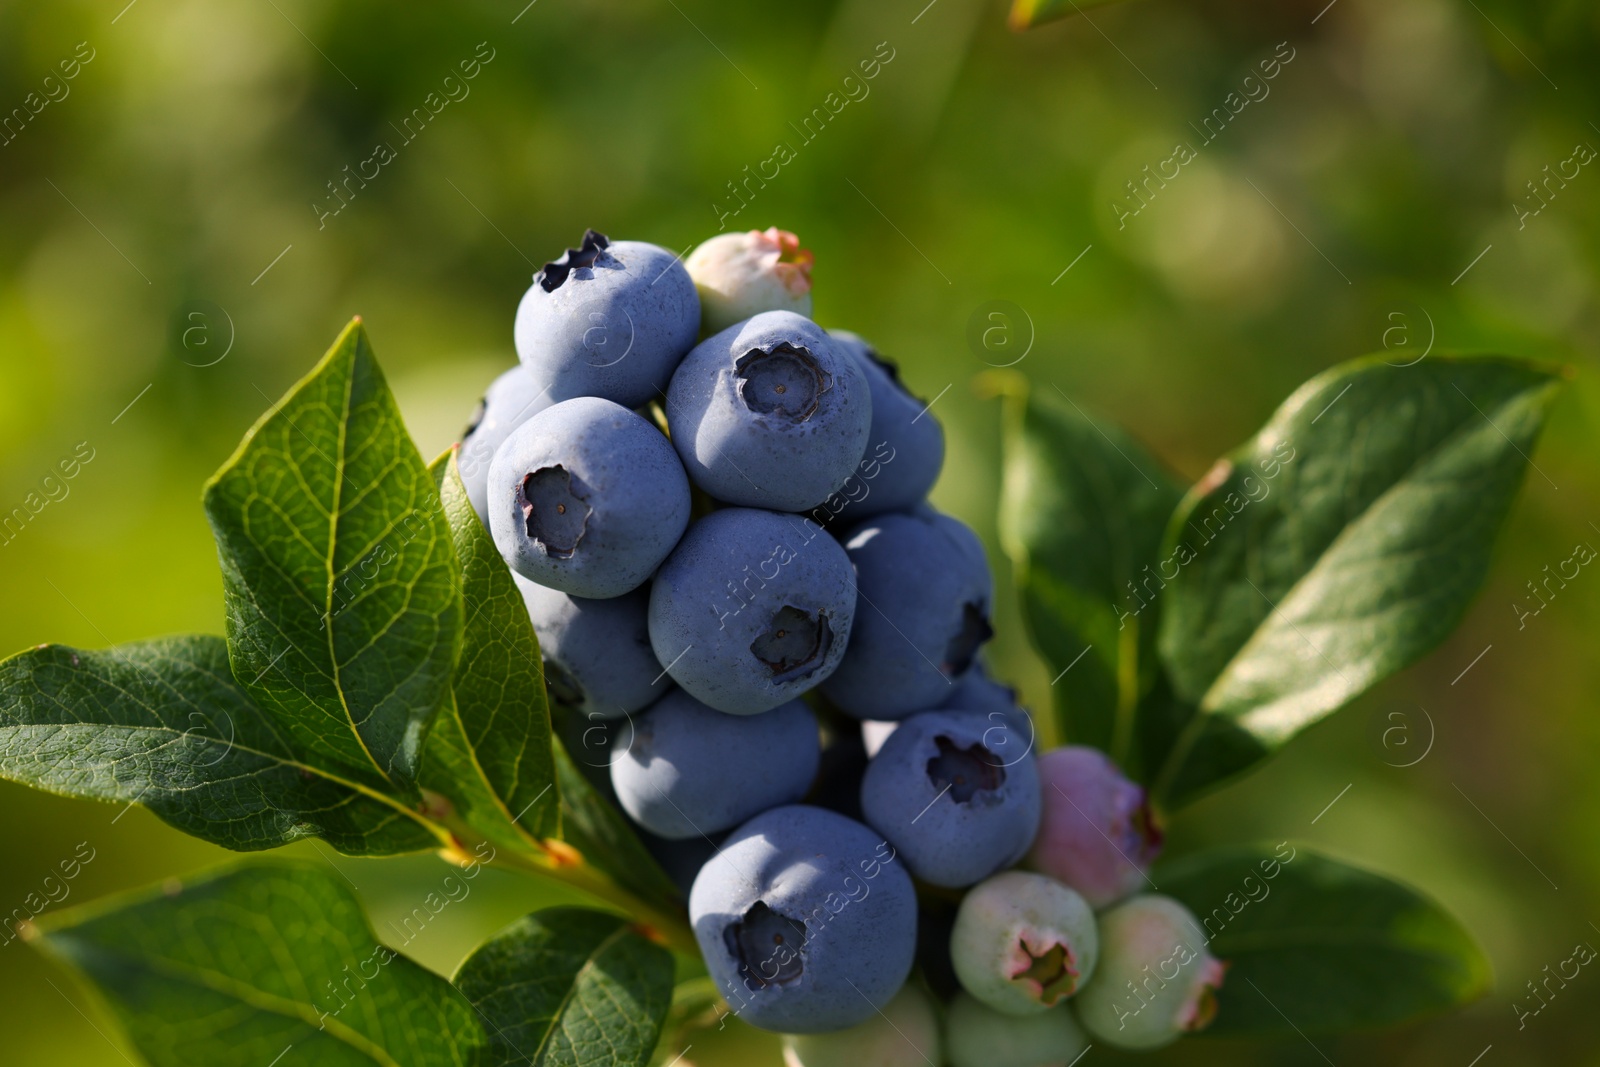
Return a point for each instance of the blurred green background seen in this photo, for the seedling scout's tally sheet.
(178, 175)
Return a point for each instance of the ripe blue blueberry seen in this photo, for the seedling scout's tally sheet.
(587, 497)
(925, 593)
(807, 921)
(978, 1036)
(769, 413)
(905, 447)
(511, 400)
(1023, 943)
(597, 655)
(976, 691)
(609, 319)
(1097, 832)
(752, 609)
(1156, 980)
(743, 274)
(692, 770)
(1008, 728)
(904, 1034)
(953, 807)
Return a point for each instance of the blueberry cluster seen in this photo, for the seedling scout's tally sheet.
(716, 511)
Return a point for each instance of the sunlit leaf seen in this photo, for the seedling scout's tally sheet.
(163, 723)
(262, 963)
(569, 987)
(343, 592)
(1337, 546)
(489, 750)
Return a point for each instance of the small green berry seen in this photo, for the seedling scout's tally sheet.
(1023, 942)
(1156, 979)
(978, 1036)
(904, 1034)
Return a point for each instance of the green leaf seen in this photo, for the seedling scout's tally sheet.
(1336, 547)
(1025, 14)
(163, 723)
(1083, 510)
(489, 750)
(260, 962)
(595, 827)
(1314, 944)
(569, 987)
(342, 591)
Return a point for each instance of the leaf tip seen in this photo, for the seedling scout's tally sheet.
(354, 333)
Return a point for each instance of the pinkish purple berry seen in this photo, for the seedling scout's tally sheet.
(1097, 833)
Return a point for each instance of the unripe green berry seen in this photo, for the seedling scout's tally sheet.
(978, 1036)
(904, 1034)
(1023, 942)
(1156, 981)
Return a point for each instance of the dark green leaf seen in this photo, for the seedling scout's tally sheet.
(163, 723)
(343, 593)
(1320, 946)
(1340, 544)
(245, 966)
(489, 750)
(596, 828)
(569, 987)
(1026, 14)
(1082, 514)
